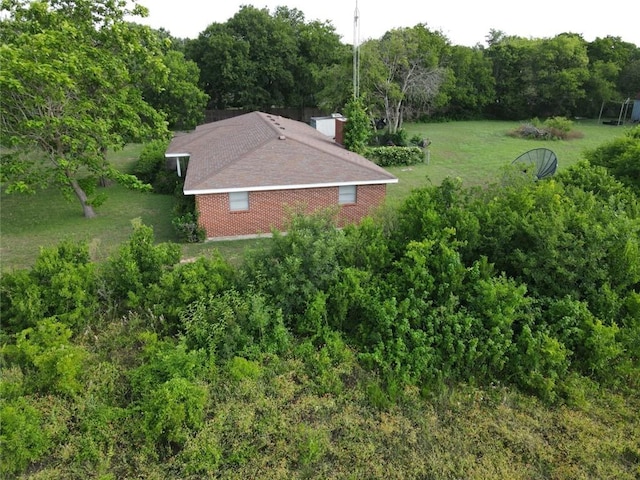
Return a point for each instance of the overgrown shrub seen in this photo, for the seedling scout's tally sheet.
(231, 324)
(61, 284)
(151, 160)
(418, 141)
(22, 436)
(52, 363)
(136, 266)
(185, 283)
(594, 347)
(558, 128)
(188, 228)
(160, 360)
(169, 392)
(202, 453)
(553, 128)
(151, 168)
(621, 158)
(173, 412)
(292, 269)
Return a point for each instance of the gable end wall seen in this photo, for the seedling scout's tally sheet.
(269, 209)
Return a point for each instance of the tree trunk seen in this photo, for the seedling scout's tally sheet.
(86, 208)
(104, 182)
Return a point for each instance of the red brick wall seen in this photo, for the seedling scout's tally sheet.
(269, 209)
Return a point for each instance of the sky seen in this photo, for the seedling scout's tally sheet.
(463, 22)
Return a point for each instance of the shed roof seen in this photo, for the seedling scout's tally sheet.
(260, 151)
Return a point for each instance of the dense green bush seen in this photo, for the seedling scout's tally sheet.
(395, 156)
(562, 241)
(168, 390)
(294, 268)
(620, 157)
(173, 411)
(151, 168)
(137, 265)
(178, 287)
(520, 229)
(188, 228)
(558, 128)
(160, 360)
(61, 284)
(22, 436)
(233, 324)
(390, 139)
(51, 362)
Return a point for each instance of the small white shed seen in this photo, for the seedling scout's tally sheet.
(326, 125)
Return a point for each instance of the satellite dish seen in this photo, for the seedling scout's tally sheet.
(542, 162)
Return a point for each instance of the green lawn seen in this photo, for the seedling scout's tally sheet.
(477, 151)
(474, 151)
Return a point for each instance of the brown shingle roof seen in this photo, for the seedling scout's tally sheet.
(259, 151)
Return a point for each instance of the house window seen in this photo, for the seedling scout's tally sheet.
(347, 194)
(238, 201)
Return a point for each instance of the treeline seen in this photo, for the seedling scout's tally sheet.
(107, 82)
(121, 368)
(260, 59)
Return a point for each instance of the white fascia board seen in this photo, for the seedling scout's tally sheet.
(176, 155)
(284, 187)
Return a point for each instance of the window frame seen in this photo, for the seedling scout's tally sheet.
(347, 194)
(240, 203)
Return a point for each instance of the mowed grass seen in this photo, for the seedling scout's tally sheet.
(478, 151)
(474, 151)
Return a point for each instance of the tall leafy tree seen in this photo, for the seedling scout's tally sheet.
(71, 79)
(512, 75)
(272, 55)
(223, 59)
(401, 68)
(614, 67)
(257, 59)
(318, 47)
(336, 83)
(249, 60)
(357, 130)
(559, 67)
(470, 86)
(182, 100)
(538, 77)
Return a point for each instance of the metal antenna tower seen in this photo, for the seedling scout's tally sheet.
(356, 52)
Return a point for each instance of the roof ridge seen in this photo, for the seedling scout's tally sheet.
(321, 143)
(269, 119)
(259, 145)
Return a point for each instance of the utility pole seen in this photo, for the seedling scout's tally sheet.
(356, 52)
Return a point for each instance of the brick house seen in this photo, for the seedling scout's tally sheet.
(248, 172)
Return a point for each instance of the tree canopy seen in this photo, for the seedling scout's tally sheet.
(402, 68)
(72, 81)
(257, 60)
